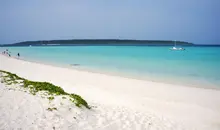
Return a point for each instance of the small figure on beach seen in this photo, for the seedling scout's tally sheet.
(18, 55)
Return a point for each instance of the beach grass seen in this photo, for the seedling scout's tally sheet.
(35, 86)
(51, 109)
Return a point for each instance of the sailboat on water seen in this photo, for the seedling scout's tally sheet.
(177, 48)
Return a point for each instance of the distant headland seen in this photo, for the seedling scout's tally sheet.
(85, 42)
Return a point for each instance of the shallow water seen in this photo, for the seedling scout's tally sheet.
(196, 66)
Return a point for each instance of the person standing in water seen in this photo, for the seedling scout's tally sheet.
(18, 55)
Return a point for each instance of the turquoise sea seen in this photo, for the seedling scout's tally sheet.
(196, 66)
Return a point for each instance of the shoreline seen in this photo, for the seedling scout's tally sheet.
(124, 75)
(188, 107)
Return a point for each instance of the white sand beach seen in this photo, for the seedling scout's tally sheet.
(117, 102)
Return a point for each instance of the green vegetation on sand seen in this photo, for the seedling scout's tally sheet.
(35, 87)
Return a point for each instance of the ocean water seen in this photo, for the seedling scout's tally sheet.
(196, 66)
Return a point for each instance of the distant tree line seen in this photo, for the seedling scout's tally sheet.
(98, 42)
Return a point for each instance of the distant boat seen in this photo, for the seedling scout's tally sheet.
(177, 48)
(29, 45)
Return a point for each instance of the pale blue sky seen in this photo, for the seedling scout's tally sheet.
(194, 21)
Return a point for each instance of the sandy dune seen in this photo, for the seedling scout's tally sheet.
(119, 103)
